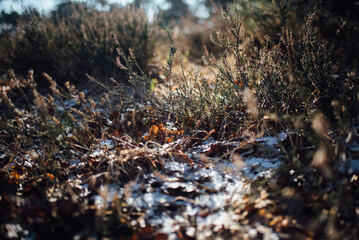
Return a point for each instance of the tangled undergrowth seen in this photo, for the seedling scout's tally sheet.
(63, 153)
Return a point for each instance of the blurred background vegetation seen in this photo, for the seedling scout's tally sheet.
(314, 64)
(75, 38)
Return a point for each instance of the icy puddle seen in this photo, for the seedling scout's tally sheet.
(195, 198)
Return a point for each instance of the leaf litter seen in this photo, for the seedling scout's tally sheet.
(167, 186)
(194, 199)
(192, 187)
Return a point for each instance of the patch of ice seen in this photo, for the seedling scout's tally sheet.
(187, 187)
(177, 167)
(193, 197)
(190, 231)
(170, 126)
(85, 190)
(106, 195)
(97, 152)
(213, 191)
(99, 201)
(260, 167)
(203, 147)
(217, 221)
(109, 122)
(272, 142)
(28, 160)
(107, 143)
(267, 232)
(15, 231)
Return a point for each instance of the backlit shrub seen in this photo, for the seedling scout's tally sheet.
(75, 40)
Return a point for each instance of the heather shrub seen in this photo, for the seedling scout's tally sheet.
(210, 103)
(74, 39)
(275, 18)
(297, 72)
(193, 36)
(301, 74)
(199, 42)
(262, 18)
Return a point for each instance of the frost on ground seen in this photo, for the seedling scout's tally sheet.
(196, 198)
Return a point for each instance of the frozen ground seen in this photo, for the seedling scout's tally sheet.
(196, 198)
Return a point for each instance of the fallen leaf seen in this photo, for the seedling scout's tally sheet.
(181, 157)
(50, 176)
(214, 150)
(276, 220)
